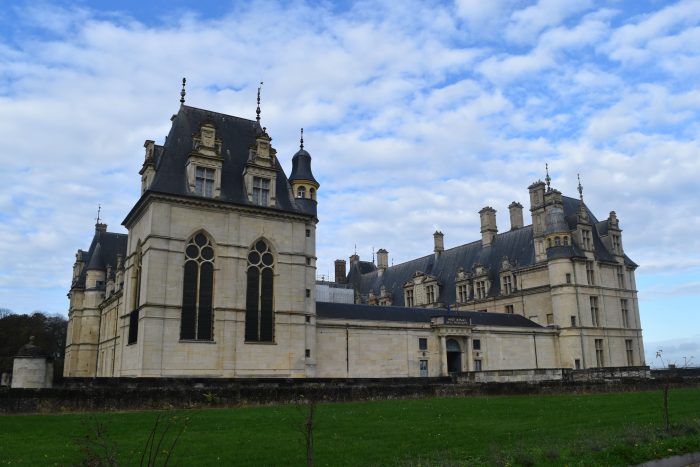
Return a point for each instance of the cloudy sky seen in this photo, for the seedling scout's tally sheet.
(417, 114)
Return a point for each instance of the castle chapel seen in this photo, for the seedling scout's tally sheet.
(216, 278)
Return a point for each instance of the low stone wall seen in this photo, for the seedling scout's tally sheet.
(111, 394)
(530, 376)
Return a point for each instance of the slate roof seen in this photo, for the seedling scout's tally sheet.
(236, 135)
(349, 311)
(516, 244)
(301, 167)
(103, 252)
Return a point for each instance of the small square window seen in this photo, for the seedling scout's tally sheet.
(476, 344)
(308, 293)
(308, 232)
(422, 343)
(308, 318)
(308, 353)
(573, 321)
(308, 261)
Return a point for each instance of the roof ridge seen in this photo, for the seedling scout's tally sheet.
(218, 113)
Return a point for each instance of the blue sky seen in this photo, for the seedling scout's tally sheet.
(417, 114)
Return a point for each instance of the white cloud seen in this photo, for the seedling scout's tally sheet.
(525, 25)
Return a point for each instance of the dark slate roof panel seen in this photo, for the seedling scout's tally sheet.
(348, 311)
(517, 245)
(237, 135)
(103, 250)
(301, 167)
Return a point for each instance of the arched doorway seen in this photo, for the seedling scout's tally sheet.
(454, 356)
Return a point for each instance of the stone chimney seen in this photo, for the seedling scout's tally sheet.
(516, 215)
(340, 276)
(439, 242)
(382, 259)
(354, 259)
(488, 225)
(100, 227)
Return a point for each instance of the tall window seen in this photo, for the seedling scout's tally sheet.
(430, 293)
(259, 313)
(136, 298)
(625, 313)
(586, 238)
(261, 191)
(599, 353)
(616, 245)
(197, 290)
(480, 289)
(510, 309)
(629, 351)
(301, 192)
(462, 293)
(409, 297)
(595, 317)
(204, 181)
(620, 276)
(507, 284)
(590, 273)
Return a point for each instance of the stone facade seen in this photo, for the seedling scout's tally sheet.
(216, 278)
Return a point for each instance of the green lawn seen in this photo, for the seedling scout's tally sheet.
(599, 429)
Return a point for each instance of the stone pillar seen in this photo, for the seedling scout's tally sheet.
(470, 355)
(443, 356)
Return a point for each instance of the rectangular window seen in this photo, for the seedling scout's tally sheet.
(620, 276)
(550, 319)
(507, 284)
(573, 321)
(462, 293)
(630, 352)
(308, 232)
(133, 327)
(599, 353)
(424, 368)
(477, 365)
(616, 245)
(430, 293)
(590, 276)
(476, 344)
(586, 239)
(422, 343)
(568, 278)
(261, 191)
(308, 293)
(409, 298)
(308, 353)
(595, 316)
(308, 318)
(577, 364)
(480, 290)
(204, 181)
(510, 309)
(625, 313)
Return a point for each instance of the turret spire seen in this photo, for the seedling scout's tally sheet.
(182, 93)
(301, 140)
(547, 179)
(99, 208)
(257, 111)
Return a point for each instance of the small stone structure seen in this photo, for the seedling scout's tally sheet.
(31, 368)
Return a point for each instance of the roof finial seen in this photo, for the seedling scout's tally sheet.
(580, 188)
(257, 111)
(547, 179)
(301, 141)
(99, 208)
(182, 93)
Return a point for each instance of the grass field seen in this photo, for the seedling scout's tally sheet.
(596, 429)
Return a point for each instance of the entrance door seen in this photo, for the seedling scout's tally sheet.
(454, 356)
(424, 368)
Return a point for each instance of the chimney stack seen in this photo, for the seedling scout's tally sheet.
(488, 225)
(340, 276)
(439, 241)
(516, 215)
(382, 259)
(354, 259)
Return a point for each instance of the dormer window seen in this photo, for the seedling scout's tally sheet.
(301, 192)
(261, 191)
(204, 182)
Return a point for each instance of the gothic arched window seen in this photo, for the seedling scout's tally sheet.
(259, 315)
(198, 289)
